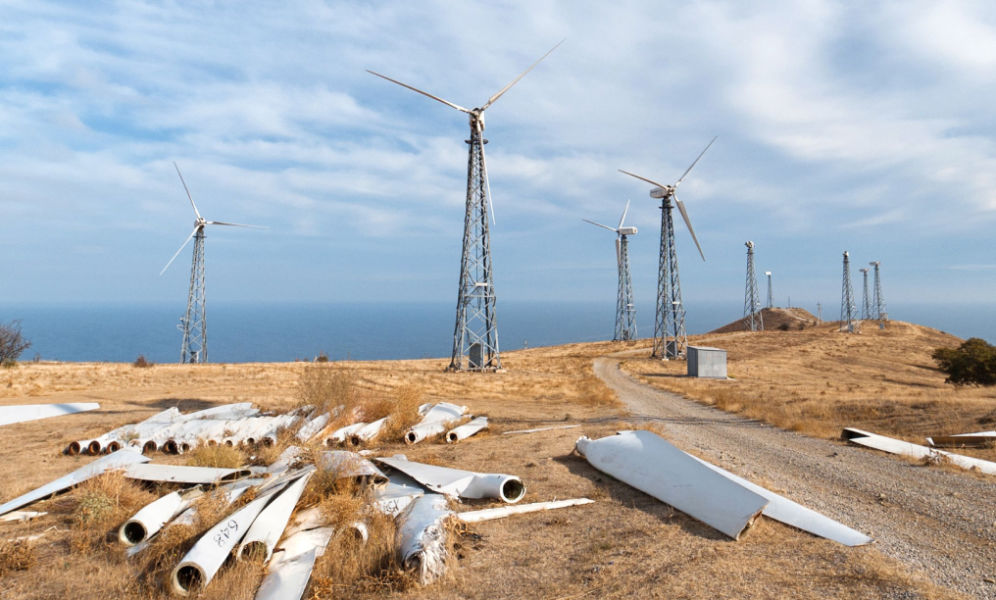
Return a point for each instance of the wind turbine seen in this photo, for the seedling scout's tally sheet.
(194, 322)
(475, 335)
(625, 309)
(670, 339)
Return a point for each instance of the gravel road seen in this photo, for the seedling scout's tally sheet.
(934, 520)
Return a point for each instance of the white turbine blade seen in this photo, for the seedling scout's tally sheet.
(415, 89)
(492, 99)
(182, 246)
(650, 181)
(623, 217)
(680, 179)
(599, 225)
(684, 215)
(235, 224)
(191, 198)
(487, 183)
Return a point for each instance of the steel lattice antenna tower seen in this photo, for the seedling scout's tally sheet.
(847, 308)
(670, 339)
(879, 302)
(865, 303)
(625, 309)
(193, 324)
(475, 335)
(771, 300)
(753, 319)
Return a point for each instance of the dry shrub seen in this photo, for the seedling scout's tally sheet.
(97, 506)
(220, 455)
(16, 556)
(326, 387)
(404, 413)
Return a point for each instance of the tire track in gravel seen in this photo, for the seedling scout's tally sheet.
(938, 521)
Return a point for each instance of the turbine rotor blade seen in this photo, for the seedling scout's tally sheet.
(191, 198)
(502, 91)
(182, 246)
(682, 178)
(650, 181)
(599, 225)
(623, 217)
(415, 89)
(235, 224)
(688, 222)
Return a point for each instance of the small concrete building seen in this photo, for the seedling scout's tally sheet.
(706, 362)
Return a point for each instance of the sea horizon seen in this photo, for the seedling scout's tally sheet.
(290, 331)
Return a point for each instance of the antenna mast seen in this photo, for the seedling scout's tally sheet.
(847, 308)
(753, 319)
(879, 303)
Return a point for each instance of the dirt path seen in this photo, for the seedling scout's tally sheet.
(931, 519)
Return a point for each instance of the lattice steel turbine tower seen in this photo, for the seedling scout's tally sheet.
(847, 308)
(879, 302)
(865, 302)
(475, 335)
(670, 339)
(771, 300)
(625, 309)
(753, 319)
(194, 322)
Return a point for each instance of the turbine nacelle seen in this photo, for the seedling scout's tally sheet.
(662, 192)
(626, 231)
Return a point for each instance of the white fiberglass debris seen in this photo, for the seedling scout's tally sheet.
(791, 513)
(151, 518)
(367, 432)
(271, 522)
(199, 565)
(21, 516)
(977, 439)
(290, 568)
(313, 427)
(541, 429)
(350, 465)
(488, 514)
(466, 430)
(652, 465)
(309, 518)
(114, 440)
(19, 413)
(119, 459)
(455, 482)
(339, 436)
(287, 458)
(422, 537)
(894, 446)
(435, 421)
(183, 474)
(397, 494)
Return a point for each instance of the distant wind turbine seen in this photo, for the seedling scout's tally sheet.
(625, 309)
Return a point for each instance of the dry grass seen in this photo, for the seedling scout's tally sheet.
(818, 380)
(221, 456)
(16, 556)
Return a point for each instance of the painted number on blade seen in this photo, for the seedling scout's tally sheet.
(226, 533)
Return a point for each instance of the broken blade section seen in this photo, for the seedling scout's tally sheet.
(894, 446)
(456, 482)
(421, 537)
(652, 465)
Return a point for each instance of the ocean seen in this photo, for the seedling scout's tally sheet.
(239, 332)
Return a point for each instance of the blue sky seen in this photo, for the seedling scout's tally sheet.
(842, 126)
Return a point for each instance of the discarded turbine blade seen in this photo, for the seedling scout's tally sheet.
(290, 568)
(422, 537)
(456, 482)
(538, 429)
(466, 430)
(179, 250)
(184, 474)
(792, 513)
(894, 446)
(153, 516)
(979, 439)
(265, 531)
(415, 89)
(502, 91)
(191, 198)
(488, 514)
(313, 427)
(694, 162)
(599, 225)
(21, 516)
(367, 432)
(350, 465)
(688, 222)
(435, 421)
(117, 460)
(19, 413)
(652, 465)
(399, 492)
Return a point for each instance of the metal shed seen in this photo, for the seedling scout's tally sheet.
(706, 362)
